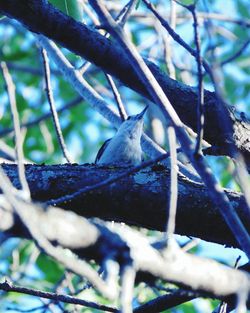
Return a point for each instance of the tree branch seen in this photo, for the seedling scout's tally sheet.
(116, 245)
(139, 199)
(43, 18)
(9, 287)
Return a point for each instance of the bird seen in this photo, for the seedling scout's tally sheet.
(125, 147)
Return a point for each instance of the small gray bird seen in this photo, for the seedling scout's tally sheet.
(125, 146)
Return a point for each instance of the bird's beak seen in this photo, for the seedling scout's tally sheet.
(140, 115)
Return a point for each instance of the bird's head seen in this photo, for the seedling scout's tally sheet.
(133, 125)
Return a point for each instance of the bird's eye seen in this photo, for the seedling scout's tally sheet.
(129, 117)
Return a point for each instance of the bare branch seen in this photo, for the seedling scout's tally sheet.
(237, 54)
(90, 95)
(170, 229)
(18, 137)
(200, 105)
(53, 108)
(167, 301)
(31, 216)
(9, 287)
(127, 289)
(148, 79)
(43, 117)
(103, 183)
(105, 53)
(146, 197)
(177, 38)
(120, 106)
(170, 264)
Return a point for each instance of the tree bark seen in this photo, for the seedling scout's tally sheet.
(139, 199)
(43, 18)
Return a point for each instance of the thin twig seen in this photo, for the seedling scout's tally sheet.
(174, 266)
(96, 101)
(7, 152)
(121, 20)
(17, 310)
(18, 137)
(127, 288)
(123, 16)
(177, 37)
(200, 104)
(43, 117)
(182, 268)
(168, 42)
(47, 137)
(167, 301)
(53, 108)
(90, 95)
(222, 308)
(190, 244)
(206, 66)
(242, 176)
(111, 273)
(170, 229)
(242, 297)
(84, 67)
(240, 166)
(236, 54)
(9, 287)
(28, 69)
(30, 218)
(220, 17)
(117, 97)
(147, 78)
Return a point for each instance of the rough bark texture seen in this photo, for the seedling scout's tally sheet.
(140, 199)
(43, 18)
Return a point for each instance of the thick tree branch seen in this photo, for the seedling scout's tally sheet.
(54, 229)
(139, 199)
(41, 17)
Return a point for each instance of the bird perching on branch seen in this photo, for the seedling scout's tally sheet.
(125, 147)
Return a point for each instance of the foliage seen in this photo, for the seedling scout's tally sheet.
(70, 7)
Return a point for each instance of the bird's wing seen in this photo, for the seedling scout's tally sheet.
(101, 150)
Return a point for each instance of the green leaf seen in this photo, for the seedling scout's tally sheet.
(26, 248)
(243, 8)
(187, 2)
(52, 271)
(69, 7)
(137, 4)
